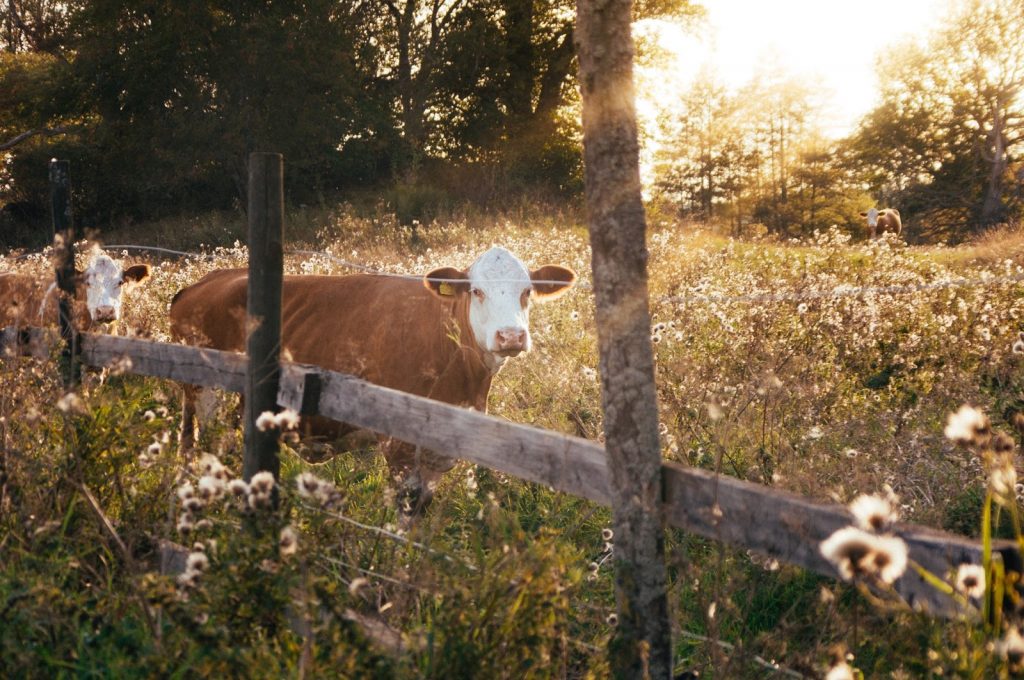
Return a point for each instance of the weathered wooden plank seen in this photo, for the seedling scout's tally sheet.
(27, 342)
(195, 365)
(775, 523)
(569, 464)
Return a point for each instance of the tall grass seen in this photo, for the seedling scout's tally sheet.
(826, 396)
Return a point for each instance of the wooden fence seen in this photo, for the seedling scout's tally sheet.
(771, 522)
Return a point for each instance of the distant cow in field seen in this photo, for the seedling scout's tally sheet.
(444, 336)
(32, 301)
(882, 221)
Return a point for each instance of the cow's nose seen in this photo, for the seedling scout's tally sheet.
(105, 313)
(510, 339)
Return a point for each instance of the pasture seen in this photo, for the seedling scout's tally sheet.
(761, 376)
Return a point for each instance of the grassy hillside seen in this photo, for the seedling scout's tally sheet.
(824, 367)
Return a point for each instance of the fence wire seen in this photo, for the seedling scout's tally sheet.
(840, 291)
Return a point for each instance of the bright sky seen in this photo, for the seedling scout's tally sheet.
(832, 43)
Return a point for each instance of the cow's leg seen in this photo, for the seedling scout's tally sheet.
(415, 472)
(187, 437)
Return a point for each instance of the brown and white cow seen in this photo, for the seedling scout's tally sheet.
(444, 336)
(32, 301)
(882, 221)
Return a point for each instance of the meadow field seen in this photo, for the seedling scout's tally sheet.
(825, 366)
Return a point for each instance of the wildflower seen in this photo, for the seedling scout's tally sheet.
(1018, 346)
(204, 523)
(846, 549)
(189, 578)
(1003, 476)
(613, 620)
(238, 487)
(1011, 648)
(197, 561)
(307, 485)
(288, 419)
(192, 504)
(970, 580)
(155, 449)
(289, 541)
(574, 315)
(148, 416)
(801, 308)
(1003, 443)
(840, 671)
(71, 403)
(593, 567)
(589, 373)
(210, 487)
(265, 421)
(210, 465)
(890, 558)
(185, 524)
(262, 483)
(607, 534)
(855, 552)
(872, 512)
(186, 491)
(966, 425)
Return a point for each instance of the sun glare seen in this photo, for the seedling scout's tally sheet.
(832, 46)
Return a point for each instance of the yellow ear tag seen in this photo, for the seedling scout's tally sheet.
(446, 289)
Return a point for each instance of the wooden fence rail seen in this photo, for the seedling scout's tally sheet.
(774, 523)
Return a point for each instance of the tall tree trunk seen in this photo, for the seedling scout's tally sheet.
(992, 205)
(641, 646)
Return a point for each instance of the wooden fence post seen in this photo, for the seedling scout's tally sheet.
(642, 643)
(64, 265)
(266, 267)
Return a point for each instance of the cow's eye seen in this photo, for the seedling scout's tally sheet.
(477, 293)
(524, 299)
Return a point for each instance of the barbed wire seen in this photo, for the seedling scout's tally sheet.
(839, 291)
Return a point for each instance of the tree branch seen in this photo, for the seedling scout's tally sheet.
(45, 132)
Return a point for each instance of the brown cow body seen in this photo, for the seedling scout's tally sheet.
(394, 332)
(882, 221)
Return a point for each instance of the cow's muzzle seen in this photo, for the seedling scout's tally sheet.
(105, 314)
(510, 342)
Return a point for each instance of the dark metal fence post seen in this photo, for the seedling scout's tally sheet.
(266, 267)
(64, 265)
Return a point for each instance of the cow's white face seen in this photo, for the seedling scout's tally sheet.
(500, 287)
(104, 281)
(872, 216)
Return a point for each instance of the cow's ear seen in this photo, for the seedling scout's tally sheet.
(551, 281)
(864, 214)
(447, 281)
(137, 273)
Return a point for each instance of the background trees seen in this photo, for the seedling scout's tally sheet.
(158, 104)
